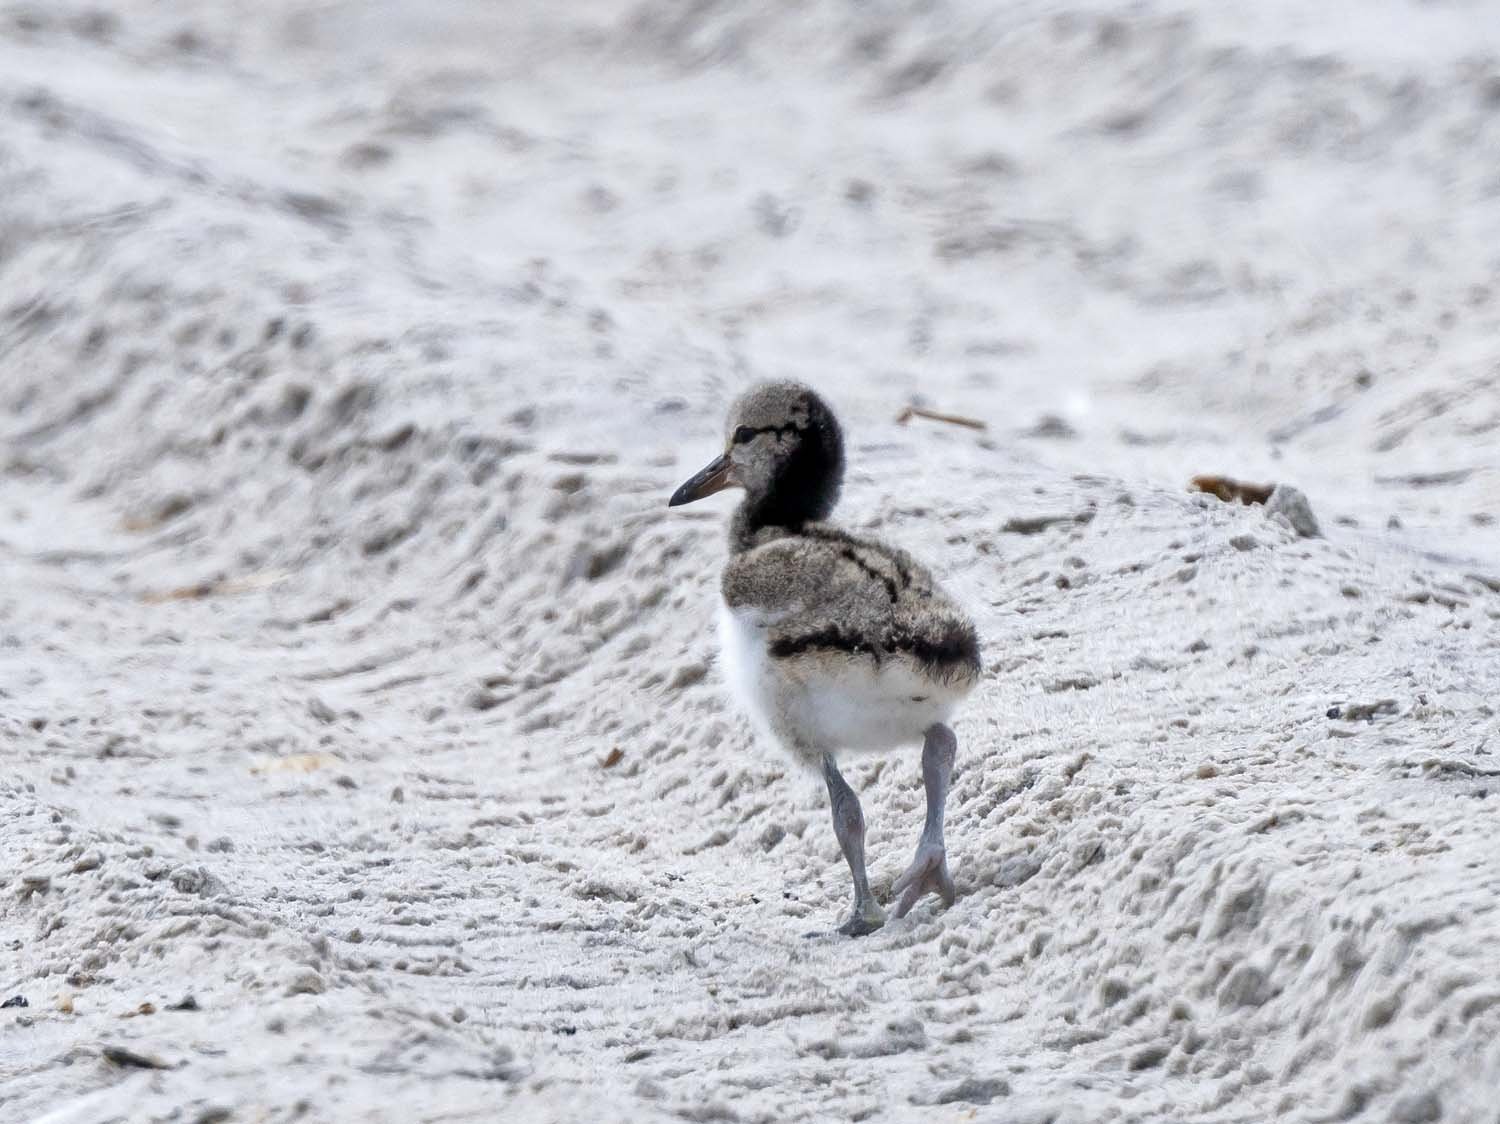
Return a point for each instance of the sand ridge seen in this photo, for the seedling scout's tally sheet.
(365, 753)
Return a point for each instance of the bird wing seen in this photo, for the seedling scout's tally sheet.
(826, 588)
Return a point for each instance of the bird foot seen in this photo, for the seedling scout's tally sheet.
(866, 918)
(928, 872)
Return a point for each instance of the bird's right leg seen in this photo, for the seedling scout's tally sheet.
(849, 827)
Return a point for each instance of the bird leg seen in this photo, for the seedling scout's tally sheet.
(929, 870)
(849, 828)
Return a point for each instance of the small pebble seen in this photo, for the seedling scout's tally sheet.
(1292, 505)
(129, 1059)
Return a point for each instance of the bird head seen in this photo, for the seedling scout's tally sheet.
(784, 447)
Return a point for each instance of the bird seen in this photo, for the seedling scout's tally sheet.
(834, 642)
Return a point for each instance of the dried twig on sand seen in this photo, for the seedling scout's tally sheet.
(933, 415)
(214, 588)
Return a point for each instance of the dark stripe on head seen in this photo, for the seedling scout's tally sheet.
(748, 433)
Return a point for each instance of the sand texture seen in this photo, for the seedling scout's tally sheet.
(363, 754)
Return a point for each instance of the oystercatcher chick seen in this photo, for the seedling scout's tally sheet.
(832, 641)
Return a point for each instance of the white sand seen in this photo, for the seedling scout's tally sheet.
(403, 320)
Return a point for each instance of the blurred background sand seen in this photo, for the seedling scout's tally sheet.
(363, 753)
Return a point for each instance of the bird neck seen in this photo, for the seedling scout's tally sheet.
(783, 509)
(803, 488)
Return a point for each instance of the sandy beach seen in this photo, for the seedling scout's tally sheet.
(364, 754)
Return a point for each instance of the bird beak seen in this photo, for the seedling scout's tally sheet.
(713, 477)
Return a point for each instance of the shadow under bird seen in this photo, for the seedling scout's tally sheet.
(830, 640)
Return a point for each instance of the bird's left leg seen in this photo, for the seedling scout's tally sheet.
(929, 870)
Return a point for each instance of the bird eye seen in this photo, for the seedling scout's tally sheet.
(742, 434)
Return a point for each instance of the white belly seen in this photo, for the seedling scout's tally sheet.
(813, 707)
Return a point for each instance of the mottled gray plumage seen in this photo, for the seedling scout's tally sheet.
(833, 641)
(840, 596)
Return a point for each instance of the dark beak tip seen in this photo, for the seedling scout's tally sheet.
(712, 478)
(685, 494)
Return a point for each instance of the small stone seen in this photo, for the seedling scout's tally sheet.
(89, 860)
(197, 881)
(129, 1059)
(14, 1001)
(1292, 505)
